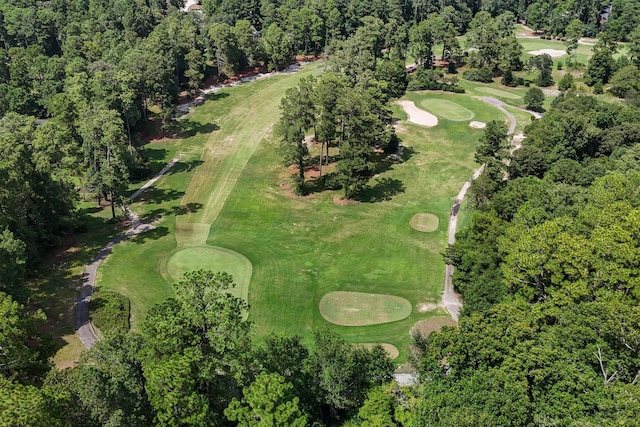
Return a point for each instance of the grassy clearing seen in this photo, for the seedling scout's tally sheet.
(362, 309)
(300, 248)
(424, 222)
(447, 109)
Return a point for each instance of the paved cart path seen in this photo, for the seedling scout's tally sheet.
(84, 328)
(450, 300)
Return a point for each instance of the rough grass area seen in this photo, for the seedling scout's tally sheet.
(497, 92)
(447, 109)
(434, 324)
(424, 222)
(391, 349)
(214, 259)
(361, 309)
(109, 312)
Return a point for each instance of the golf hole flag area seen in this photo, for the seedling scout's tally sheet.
(214, 259)
(447, 109)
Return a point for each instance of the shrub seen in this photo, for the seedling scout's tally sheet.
(109, 312)
(597, 88)
(432, 80)
(566, 82)
(483, 75)
(534, 98)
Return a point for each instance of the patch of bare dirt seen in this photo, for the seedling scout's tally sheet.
(423, 307)
(435, 324)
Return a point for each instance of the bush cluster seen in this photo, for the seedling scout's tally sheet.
(433, 80)
(483, 75)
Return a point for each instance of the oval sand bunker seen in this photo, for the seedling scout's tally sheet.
(554, 53)
(477, 125)
(216, 259)
(361, 309)
(424, 222)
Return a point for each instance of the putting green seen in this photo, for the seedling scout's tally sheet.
(216, 259)
(391, 349)
(498, 92)
(446, 109)
(425, 222)
(361, 309)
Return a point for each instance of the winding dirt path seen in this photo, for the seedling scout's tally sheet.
(450, 300)
(84, 328)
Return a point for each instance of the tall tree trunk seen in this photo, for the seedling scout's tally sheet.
(327, 145)
(321, 153)
(129, 134)
(113, 208)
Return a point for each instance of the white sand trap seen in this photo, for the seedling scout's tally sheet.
(554, 53)
(477, 125)
(418, 116)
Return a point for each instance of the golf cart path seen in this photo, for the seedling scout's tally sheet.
(83, 325)
(450, 300)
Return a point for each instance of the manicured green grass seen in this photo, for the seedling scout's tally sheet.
(446, 109)
(231, 184)
(192, 258)
(498, 93)
(424, 222)
(361, 309)
(207, 152)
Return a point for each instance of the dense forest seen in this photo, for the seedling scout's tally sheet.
(548, 267)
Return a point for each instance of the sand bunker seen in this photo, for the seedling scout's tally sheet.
(477, 125)
(554, 53)
(424, 222)
(418, 116)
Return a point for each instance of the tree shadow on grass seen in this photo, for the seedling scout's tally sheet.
(187, 128)
(184, 166)
(154, 234)
(172, 211)
(159, 195)
(385, 161)
(155, 155)
(384, 189)
(214, 96)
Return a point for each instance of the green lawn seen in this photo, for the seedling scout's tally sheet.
(231, 191)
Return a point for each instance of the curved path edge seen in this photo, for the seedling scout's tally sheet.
(84, 327)
(450, 300)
